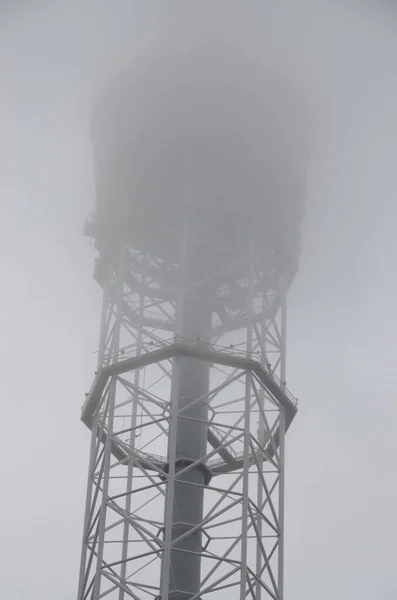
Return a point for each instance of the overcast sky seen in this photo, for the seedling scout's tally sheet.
(341, 479)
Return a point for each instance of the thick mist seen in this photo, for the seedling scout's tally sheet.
(208, 127)
(341, 493)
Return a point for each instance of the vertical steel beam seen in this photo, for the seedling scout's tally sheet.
(281, 492)
(169, 501)
(259, 497)
(108, 442)
(102, 345)
(130, 468)
(247, 426)
(281, 507)
(194, 320)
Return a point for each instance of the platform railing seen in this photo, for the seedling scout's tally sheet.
(132, 351)
(89, 394)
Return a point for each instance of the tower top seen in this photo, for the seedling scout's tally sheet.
(209, 129)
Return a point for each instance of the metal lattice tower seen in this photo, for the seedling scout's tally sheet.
(189, 407)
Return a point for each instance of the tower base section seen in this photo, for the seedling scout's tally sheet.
(135, 482)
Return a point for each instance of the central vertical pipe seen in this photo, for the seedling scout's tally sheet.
(192, 387)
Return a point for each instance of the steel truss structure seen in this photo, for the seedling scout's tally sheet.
(188, 412)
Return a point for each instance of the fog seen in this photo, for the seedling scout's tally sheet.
(341, 488)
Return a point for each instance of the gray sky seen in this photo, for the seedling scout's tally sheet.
(341, 486)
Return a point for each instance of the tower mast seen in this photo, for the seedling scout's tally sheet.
(197, 231)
